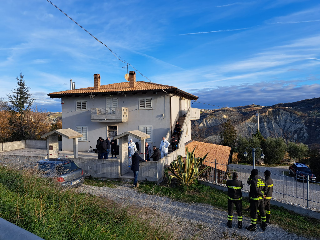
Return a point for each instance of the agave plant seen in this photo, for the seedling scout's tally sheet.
(186, 170)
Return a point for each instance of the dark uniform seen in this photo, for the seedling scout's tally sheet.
(257, 188)
(156, 156)
(234, 198)
(268, 194)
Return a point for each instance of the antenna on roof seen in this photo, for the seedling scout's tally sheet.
(126, 76)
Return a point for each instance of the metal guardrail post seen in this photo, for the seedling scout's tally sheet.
(308, 191)
(215, 171)
(283, 184)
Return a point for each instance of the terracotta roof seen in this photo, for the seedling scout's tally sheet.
(218, 152)
(124, 87)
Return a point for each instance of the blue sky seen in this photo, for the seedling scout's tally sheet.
(229, 53)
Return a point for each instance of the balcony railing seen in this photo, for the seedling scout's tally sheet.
(109, 114)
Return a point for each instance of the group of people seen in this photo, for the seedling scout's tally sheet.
(104, 147)
(259, 197)
(135, 158)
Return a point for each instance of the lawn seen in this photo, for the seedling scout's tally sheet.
(43, 208)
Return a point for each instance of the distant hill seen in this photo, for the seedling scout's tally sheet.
(296, 122)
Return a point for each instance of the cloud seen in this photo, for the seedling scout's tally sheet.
(262, 93)
(231, 4)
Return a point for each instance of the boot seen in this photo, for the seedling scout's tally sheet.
(252, 227)
(268, 218)
(229, 224)
(240, 224)
(263, 226)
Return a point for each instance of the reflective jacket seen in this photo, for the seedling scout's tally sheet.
(269, 187)
(234, 189)
(257, 187)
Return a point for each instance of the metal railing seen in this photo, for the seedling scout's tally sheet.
(286, 189)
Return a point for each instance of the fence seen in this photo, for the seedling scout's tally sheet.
(285, 188)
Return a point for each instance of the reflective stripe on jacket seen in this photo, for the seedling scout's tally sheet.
(234, 189)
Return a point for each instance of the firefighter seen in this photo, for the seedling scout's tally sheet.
(268, 194)
(234, 198)
(257, 188)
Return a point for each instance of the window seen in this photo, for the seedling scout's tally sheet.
(111, 105)
(145, 103)
(84, 131)
(81, 105)
(148, 129)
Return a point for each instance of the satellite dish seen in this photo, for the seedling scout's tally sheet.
(126, 76)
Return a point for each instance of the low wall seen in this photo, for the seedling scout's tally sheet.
(10, 146)
(99, 168)
(296, 209)
(38, 144)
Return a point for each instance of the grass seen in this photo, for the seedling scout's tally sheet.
(288, 220)
(43, 208)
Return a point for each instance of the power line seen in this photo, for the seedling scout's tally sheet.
(114, 54)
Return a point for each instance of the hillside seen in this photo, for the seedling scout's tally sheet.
(296, 122)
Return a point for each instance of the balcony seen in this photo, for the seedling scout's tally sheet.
(111, 115)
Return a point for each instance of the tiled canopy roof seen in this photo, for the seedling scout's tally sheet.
(214, 151)
(124, 87)
(68, 133)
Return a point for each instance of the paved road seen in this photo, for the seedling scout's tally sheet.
(286, 188)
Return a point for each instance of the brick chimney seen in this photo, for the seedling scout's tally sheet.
(132, 79)
(96, 81)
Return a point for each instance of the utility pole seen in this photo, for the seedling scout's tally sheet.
(258, 120)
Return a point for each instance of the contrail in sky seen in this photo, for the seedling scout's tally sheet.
(239, 29)
(227, 30)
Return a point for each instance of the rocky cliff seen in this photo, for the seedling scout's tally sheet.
(296, 122)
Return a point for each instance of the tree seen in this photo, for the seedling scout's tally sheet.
(228, 134)
(274, 150)
(20, 100)
(297, 151)
(247, 145)
(315, 160)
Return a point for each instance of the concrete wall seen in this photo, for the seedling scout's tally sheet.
(99, 168)
(38, 144)
(10, 146)
(159, 117)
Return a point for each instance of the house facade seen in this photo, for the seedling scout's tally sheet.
(109, 110)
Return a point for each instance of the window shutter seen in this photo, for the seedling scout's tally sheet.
(84, 105)
(148, 130)
(115, 102)
(84, 131)
(148, 102)
(142, 103)
(78, 105)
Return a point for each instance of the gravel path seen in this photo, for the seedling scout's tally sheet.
(186, 220)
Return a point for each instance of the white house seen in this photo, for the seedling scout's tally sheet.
(109, 110)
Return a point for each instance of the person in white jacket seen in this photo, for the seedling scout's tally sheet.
(131, 148)
(164, 147)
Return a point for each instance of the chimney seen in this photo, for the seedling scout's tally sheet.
(96, 81)
(132, 79)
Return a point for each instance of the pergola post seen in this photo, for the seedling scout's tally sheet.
(144, 149)
(75, 147)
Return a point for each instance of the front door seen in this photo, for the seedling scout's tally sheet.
(112, 131)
